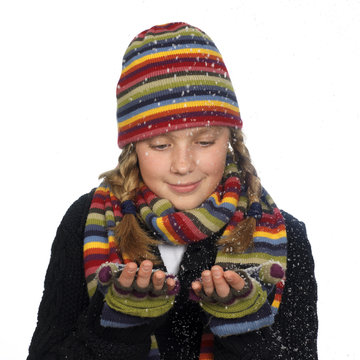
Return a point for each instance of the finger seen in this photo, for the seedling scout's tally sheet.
(144, 274)
(196, 286)
(128, 274)
(221, 285)
(158, 279)
(234, 280)
(170, 282)
(207, 282)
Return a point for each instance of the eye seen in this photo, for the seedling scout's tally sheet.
(159, 147)
(205, 143)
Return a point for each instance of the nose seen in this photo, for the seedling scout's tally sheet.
(182, 161)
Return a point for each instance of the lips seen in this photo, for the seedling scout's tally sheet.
(184, 188)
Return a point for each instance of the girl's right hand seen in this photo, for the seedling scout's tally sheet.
(143, 276)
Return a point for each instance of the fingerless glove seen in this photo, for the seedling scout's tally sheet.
(128, 306)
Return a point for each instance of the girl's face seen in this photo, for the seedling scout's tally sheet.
(184, 166)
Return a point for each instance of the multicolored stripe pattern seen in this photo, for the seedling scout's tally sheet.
(99, 239)
(269, 239)
(173, 77)
(183, 227)
(269, 246)
(207, 347)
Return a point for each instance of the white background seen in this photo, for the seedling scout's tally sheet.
(295, 68)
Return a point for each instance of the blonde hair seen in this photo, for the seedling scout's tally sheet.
(125, 179)
(241, 237)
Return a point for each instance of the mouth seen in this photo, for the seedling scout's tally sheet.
(184, 188)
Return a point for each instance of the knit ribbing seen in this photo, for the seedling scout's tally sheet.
(183, 227)
(173, 77)
(99, 239)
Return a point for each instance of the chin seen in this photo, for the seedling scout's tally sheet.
(186, 205)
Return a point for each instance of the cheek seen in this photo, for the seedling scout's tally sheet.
(150, 167)
(213, 162)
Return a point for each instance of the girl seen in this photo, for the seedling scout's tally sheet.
(180, 253)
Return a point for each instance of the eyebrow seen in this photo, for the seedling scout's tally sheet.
(202, 131)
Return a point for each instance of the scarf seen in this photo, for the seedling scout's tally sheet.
(223, 209)
(184, 227)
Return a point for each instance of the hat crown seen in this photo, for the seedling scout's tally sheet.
(173, 77)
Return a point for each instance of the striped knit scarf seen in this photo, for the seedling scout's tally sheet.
(184, 227)
(225, 208)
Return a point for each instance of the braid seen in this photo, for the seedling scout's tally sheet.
(124, 180)
(243, 160)
(241, 237)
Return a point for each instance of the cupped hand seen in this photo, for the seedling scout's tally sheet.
(219, 280)
(143, 276)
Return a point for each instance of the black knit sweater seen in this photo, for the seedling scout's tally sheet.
(68, 323)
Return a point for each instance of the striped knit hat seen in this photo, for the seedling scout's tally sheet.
(173, 77)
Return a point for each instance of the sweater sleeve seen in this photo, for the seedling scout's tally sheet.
(294, 334)
(68, 324)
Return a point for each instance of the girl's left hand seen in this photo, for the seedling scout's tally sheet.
(219, 280)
